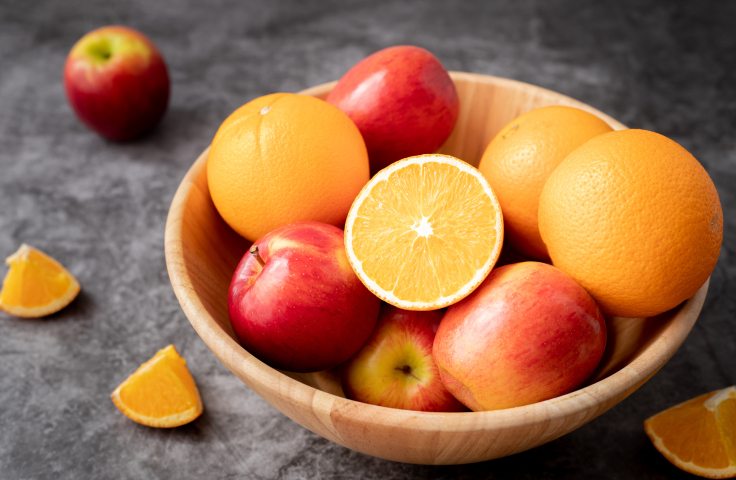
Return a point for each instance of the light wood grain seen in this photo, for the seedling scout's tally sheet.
(202, 253)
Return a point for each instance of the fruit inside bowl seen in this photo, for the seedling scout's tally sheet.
(202, 252)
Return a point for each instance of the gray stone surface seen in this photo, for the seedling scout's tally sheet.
(100, 209)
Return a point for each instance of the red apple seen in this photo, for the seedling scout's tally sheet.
(402, 100)
(303, 309)
(527, 334)
(116, 82)
(395, 367)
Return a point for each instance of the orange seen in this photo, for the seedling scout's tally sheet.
(635, 220)
(699, 436)
(522, 156)
(284, 158)
(36, 285)
(161, 393)
(424, 232)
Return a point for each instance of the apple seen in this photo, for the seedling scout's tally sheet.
(117, 82)
(395, 366)
(296, 304)
(528, 333)
(402, 100)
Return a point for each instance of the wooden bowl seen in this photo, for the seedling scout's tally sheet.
(202, 253)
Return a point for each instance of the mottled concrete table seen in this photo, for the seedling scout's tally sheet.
(100, 208)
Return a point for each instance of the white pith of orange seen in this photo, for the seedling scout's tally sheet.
(435, 220)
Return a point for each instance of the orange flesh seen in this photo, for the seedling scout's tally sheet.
(699, 436)
(165, 389)
(47, 279)
(425, 232)
(36, 285)
(727, 425)
(161, 393)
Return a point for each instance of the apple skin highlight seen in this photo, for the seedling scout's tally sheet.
(527, 334)
(395, 366)
(305, 310)
(117, 82)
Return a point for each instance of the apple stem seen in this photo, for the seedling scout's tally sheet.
(257, 256)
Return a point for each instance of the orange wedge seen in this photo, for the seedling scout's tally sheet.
(424, 232)
(161, 393)
(36, 285)
(699, 436)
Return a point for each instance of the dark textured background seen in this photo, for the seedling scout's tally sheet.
(100, 209)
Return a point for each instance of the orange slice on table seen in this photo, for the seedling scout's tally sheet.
(161, 393)
(699, 436)
(36, 284)
(424, 232)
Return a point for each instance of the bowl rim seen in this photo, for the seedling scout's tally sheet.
(617, 385)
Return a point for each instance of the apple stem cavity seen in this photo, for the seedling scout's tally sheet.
(101, 50)
(406, 370)
(257, 256)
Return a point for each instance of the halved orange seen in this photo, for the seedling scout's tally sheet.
(699, 436)
(424, 232)
(36, 285)
(161, 393)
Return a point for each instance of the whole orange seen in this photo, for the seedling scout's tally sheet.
(284, 158)
(522, 156)
(635, 219)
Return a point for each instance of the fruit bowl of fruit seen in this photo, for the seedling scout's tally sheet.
(203, 252)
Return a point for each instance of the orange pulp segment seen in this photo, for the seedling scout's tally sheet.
(161, 393)
(699, 436)
(424, 232)
(36, 285)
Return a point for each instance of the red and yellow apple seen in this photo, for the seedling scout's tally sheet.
(528, 333)
(296, 304)
(395, 366)
(402, 100)
(117, 82)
